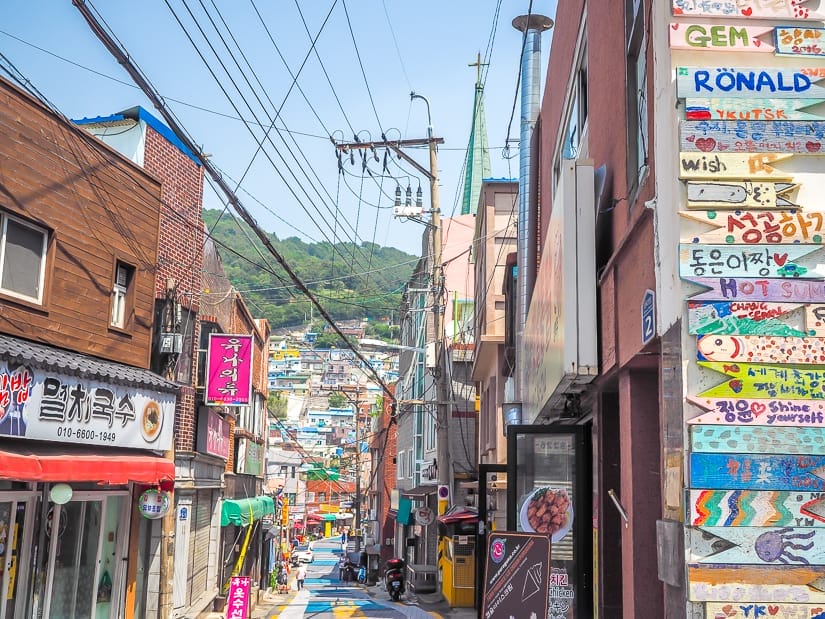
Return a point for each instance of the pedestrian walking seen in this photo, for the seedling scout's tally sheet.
(342, 561)
(300, 575)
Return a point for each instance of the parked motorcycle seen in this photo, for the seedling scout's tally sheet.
(394, 578)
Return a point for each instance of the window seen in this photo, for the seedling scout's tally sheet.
(399, 472)
(636, 74)
(22, 259)
(322, 497)
(124, 275)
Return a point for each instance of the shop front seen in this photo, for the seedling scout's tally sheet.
(70, 508)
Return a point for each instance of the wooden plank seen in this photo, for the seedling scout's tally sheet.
(748, 318)
(759, 412)
(761, 381)
(750, 9)
(762, 349)
(757, 227)
(769, 610)
(701, 260)
(757, 136)
(756, 439)
(756, 545)
(757, 472)
(721, 166)
(771, 290)
(815, 320)
(739, 195)
(735, 508)
(799, 41)
(720, 38)
(746, 82)
(752, 109)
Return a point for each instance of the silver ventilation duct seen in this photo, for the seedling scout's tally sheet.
(532, 25)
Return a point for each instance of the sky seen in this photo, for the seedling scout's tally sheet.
(368, 56)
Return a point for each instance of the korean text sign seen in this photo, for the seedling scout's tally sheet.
(229, 370)
(237, 604)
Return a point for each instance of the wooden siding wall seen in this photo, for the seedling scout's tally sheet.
(99, 208)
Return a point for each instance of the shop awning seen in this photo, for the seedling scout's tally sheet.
(419, 491)
(330, 517)
(53, 463)
(243, 512)
(458, 514)
(314, 518)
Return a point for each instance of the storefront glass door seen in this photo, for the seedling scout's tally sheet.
(13, 553)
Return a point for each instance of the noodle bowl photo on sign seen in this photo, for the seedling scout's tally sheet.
(547, 510)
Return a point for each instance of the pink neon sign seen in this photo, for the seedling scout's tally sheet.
(229, 370)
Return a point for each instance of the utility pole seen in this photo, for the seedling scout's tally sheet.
(443, 396)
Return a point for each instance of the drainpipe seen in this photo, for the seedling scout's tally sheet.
(532, 25)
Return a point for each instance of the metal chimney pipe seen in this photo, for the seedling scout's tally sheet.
(532, 25)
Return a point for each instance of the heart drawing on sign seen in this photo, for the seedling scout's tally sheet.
(747, 12)
(674, 26)
(757, 408)
(780, 259)
(729, 610)
(706, 144)
(773, 610)
(756, 42)
(813, 147)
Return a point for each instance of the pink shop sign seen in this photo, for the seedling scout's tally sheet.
(237, 604)
(213, 434)
(229, 370)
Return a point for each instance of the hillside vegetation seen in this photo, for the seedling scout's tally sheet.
(351, 281)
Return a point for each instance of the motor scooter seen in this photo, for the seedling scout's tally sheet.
(394, 578)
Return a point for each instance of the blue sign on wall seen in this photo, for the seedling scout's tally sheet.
(648, 318)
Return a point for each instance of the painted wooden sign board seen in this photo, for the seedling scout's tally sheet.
(746, 82)
(772, 610)
(798, 261)
(740, 508)
(721, 37)
(737, 166)
(759, 227)
(757, 136)
(756, 545)
(815, 320)
(739, 195)
(753, 109)
(758, 412)
(756, 439)
(762, 349)
(750, 289)
(749, 318)
(799, 41)
(762, 381)
(757, 472)
(755, 9)
(760, 584)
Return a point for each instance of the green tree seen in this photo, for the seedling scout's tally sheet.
(337, 400)
(276, 403)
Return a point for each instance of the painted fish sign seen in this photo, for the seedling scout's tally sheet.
(756, 227)
(770, 290)
(751, 508)
(757, 585)
(746, 82)
(720, 38)
(756, 9)
(736, 166)
(739, 195)
(757, 472)
(759, 412)
(776, 610)
(762, 349)
(698, 260)
(799, 41)
(756, 439)
(752, 109)
(756, 545)
(756, 136)
(758, 380)
(748, 318)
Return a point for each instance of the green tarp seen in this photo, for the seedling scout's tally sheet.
(404, 511)
(243, 512)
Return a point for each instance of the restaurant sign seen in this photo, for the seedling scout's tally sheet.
(213, 434)
(48, 406)
(249, 458)
(229, 370)
(517, 576)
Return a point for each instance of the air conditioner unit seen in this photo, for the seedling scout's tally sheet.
(171, 343)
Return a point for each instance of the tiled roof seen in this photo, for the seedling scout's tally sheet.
(75, 364)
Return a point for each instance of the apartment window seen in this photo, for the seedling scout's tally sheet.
(636, 77)
(322, 497)
(399, 469)
(22, 259)
(124, 276)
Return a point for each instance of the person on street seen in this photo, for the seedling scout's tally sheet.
(300, 575)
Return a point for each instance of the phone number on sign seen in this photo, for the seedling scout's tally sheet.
(84, 434)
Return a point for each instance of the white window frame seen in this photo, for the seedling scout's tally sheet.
(399, 466)
(41, 276)
(120, 294)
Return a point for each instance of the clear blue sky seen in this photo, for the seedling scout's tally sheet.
(420, 45)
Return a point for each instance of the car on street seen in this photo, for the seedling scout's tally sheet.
(303, 554)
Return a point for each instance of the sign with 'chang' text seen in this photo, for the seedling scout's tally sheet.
(229, 370)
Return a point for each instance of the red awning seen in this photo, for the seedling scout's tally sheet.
(458, 514)
(314, 518)
(61, 463)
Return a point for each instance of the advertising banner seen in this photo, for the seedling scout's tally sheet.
(237, 603)
(229, 370)
(47, 406)
(517, 576)
(213, 434)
